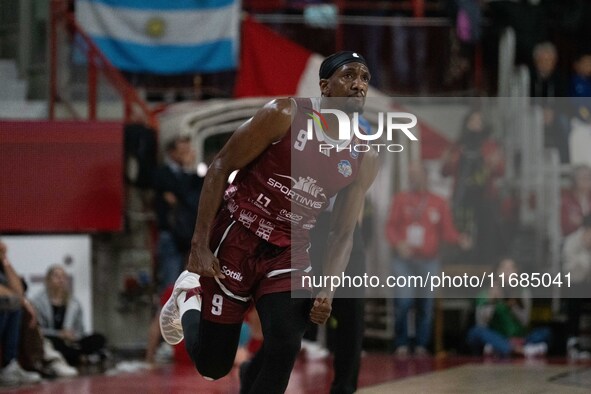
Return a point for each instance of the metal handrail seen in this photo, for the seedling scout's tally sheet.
(417, 7)
(362, 20)
(96, 62)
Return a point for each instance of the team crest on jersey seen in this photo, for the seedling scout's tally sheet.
(344, 168)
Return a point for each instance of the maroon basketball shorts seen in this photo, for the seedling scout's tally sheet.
(252, 268)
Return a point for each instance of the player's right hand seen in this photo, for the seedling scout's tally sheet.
(321, 309)
(204, 263)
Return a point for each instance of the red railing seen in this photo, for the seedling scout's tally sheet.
(417, 7)
(420, 14)
(61, 17)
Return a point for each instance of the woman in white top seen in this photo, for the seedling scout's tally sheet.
(60, 318)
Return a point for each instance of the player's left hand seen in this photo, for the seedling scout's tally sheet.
(465, 242)
(321, 309)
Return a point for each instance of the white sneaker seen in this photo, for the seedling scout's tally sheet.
(13, 375)
(8, 377)
(534, 350)
(575, 352)
(63, 369)
(314, 351)
(572, 350)
(421, 351)
(401, 351)
(170, 319)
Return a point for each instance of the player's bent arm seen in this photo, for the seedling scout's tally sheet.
(345, 215)
(251, 139)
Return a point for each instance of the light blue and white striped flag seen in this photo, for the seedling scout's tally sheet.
(164, 36)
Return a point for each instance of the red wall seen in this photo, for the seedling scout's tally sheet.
(61, 176)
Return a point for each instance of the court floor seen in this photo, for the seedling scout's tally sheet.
(380, 374)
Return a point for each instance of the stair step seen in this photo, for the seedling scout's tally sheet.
(17, 109)
(8, 70)
(13, 88)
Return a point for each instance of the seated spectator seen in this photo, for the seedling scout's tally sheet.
(575, 202)
(576, 259)
(546, 81)
(528, 18)
(546, 85)
(580, 85)
(36, 353)
(476, 162)
(60, 318)
(12, 303)
(409, 49)
(502, 320)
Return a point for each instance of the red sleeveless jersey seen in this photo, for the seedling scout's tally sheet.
(279, 195)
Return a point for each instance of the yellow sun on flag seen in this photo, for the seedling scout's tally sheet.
(155, 27)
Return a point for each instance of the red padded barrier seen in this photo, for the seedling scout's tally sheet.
(61, 176)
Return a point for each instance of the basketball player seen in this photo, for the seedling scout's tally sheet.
(251, 240)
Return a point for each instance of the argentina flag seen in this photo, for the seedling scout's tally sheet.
(164, 36)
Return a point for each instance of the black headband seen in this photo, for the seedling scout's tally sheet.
(336, 60)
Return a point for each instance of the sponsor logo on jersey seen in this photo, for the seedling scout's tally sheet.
(285, 214)
(306, 185)
(265, 229)
(230, 192)
(247, 218)
(232, 274)
(345, 168)
(262, 202)
(232, 205)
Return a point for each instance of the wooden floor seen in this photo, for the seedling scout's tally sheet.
(379, 374)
